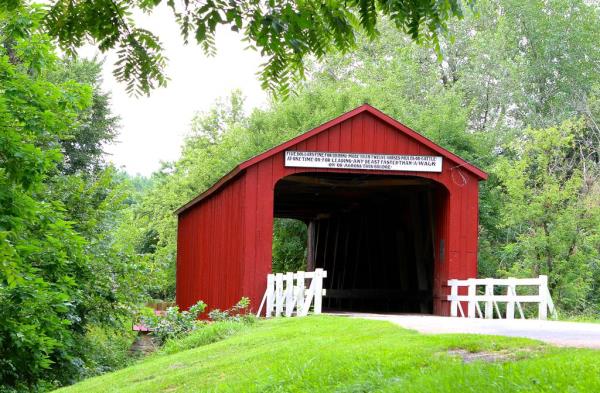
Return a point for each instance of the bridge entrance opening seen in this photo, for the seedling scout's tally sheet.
(377, 236)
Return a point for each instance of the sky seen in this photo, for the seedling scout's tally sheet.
(153, 128)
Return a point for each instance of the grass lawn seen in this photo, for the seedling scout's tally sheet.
(338, 354)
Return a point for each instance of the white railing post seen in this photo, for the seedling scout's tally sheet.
(543, 290)
(308, 297)
(289, 294)
(489, 292)
(551, 308)
(278, 294)
(471, 293)
(453, 293)
(511, 292)
(270, 295)
(300, 287)
(262, 304)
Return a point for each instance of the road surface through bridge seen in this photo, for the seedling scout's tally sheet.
(561, 333)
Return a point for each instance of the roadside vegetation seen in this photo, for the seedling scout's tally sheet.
(338, 354)
(84, 246)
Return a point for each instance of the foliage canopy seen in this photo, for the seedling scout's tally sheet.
(64, 275)
(285, 32)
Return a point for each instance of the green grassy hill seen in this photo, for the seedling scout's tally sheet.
(337, 354)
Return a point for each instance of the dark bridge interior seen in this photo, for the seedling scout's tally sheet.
(373, 234)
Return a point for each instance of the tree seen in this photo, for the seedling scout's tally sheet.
(551, 213)
(40, 252)
(63, 270)
(289, 245)
(83, 149)
(525, 63)
(285, 32)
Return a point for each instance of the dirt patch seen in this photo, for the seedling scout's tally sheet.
(489, 357)
(143, 345)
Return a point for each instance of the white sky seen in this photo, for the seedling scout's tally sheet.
(152, 128)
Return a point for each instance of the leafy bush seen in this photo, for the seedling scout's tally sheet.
(174, 323)
(106, 349)
(239, 313)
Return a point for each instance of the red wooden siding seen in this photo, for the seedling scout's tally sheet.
(225, 235)
(209, 249)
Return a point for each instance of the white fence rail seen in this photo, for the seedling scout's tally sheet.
(491, 300)
(288, 295)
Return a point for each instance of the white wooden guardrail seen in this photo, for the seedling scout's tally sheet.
(288, 295)
(491, 300)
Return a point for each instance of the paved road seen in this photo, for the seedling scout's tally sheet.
(568, 334)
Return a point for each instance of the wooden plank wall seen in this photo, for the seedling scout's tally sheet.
(209, 251)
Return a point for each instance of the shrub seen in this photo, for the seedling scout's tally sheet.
(174, 323)
(106, 349)
(238, 313)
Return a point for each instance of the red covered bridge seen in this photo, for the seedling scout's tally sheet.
(390, 215)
